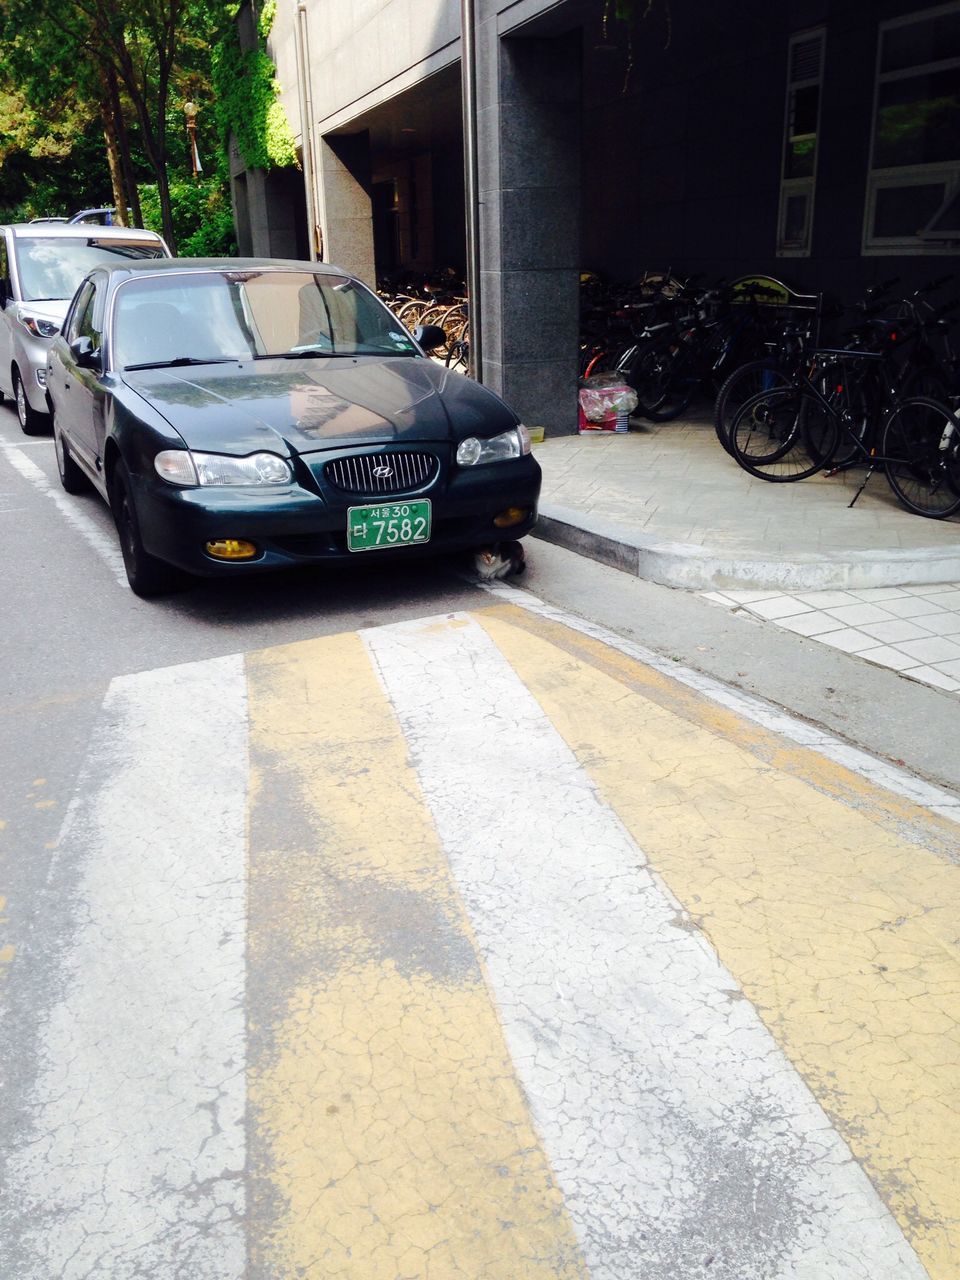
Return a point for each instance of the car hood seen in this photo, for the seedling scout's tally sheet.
(305, 406)
(54, 309)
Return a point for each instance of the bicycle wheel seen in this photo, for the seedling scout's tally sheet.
(663, 379)
(434, 314)
(410, 313)
(783, 435)
(921, 452)
(458, 353)
(749, 380)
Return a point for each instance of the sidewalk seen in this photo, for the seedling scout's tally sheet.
(664, 502)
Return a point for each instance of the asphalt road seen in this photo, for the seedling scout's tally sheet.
(377, 925)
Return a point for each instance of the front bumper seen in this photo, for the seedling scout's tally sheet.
(293, 526)
(30, 355)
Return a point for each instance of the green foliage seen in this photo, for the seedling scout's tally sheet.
(49, 169)
(245, 83)
(202, 218)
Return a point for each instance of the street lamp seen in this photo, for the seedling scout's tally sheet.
(190, 111)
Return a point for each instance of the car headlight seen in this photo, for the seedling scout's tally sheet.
(185, 467)
(510, 444)
(39, 327)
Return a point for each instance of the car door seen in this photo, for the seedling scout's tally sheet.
(79, 389)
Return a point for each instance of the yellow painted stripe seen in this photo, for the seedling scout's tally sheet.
(829, 900)
(389, 1136)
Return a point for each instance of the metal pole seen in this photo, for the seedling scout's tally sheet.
(468, 65)
(306, 128)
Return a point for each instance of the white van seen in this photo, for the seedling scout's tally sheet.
(41, 265)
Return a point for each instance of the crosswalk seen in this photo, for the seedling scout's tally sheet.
(489, 946)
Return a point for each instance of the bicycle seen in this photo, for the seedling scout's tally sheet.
(791, 433)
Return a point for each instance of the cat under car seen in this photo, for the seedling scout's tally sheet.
(502, 560)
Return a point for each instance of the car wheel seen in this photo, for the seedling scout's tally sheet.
(71, 477)
(147, 575)
(31, 422)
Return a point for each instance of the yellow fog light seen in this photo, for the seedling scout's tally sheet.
(231, 549)
(512, 516)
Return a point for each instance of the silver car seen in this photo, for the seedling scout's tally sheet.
(41, 265)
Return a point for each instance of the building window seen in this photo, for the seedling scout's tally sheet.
(801, 129)
(913, 183)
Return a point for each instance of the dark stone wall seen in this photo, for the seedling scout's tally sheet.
(681, 167)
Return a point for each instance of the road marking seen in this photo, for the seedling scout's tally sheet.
(133, 1164)
(388, 1135)
(840, 925)
(944, 803)
(105, 547)
(681, 1135)
(475, 1032)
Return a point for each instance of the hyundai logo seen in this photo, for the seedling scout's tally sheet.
(382, 472)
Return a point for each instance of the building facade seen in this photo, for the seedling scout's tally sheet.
(814, 140)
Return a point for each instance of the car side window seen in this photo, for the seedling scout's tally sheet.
(78, 310)
(88, 324)
(5, 267)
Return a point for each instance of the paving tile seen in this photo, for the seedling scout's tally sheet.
(932, 588)
(852, 615)
(778, 607)
(808, 624)
(885, 656)
(827, 599)
(951, 668)
(940, 624)
(748, 597)
(948, 599)
(936, 649)
(848, 639)
(895, 631)
(914, 606)
(931, 675)
(874, 595)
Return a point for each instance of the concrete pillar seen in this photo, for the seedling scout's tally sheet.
(346, 205)
(529, 155)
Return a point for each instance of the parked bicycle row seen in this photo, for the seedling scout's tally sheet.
(879, 390)
(437, 298)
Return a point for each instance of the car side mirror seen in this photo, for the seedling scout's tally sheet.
(429, 336)
(86, 354)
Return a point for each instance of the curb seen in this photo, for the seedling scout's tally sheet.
(704, 568)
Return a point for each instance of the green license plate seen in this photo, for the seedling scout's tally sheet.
(388, 524)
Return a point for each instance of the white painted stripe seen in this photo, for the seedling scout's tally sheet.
(133, 1165)
(682, 1137)
(105, 547)
(879, 772)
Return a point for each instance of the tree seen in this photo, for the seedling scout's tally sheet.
(105, 48)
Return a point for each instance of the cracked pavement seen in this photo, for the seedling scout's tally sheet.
(479, 946)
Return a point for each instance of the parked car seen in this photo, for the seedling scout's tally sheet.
(41, 265)
(240, 415)
(101, 217)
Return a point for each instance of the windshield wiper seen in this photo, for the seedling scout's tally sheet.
(182, 360)
(313, 353)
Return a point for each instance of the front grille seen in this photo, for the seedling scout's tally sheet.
(407, 471)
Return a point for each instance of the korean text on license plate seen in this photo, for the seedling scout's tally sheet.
(388, 524)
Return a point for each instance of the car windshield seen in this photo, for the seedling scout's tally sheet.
(244, 314)
(53, 266)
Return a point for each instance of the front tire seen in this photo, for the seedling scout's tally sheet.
(31, 422)
(783, 435)
(921, 445)
(147, 575)
(746, 381)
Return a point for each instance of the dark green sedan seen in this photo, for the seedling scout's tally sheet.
(241, 415)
